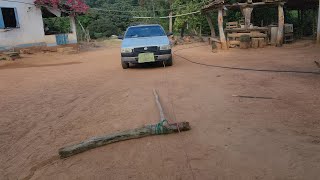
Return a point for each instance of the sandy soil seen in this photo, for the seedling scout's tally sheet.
(48, 101)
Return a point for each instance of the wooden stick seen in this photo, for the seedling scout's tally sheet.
(253, 97)
(163, 127)
(95, 142)
(162, 117)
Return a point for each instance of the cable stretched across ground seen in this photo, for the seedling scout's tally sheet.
(241, 68)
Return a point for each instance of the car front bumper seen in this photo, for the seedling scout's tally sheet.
(158, 58)
(159, 55)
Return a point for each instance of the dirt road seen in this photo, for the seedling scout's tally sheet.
(48, 101)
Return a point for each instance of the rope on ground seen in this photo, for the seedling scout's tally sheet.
(175, 119)
(240, 68)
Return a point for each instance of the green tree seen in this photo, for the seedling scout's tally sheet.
(194, 22)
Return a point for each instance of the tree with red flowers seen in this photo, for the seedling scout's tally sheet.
(68, 6)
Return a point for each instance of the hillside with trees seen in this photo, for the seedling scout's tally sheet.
(111, 17)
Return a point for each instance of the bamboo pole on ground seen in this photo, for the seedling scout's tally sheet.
(163, 127)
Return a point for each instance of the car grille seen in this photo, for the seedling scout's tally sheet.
(153, 49)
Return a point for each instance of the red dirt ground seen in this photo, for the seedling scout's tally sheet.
(48, 101)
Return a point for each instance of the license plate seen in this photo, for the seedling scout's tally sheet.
(146, 57)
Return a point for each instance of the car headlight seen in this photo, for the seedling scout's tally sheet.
(126, 50)
(165, 47)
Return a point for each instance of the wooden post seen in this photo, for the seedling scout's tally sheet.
(318, 29)
(213, 33)
(299, 23)
(221, 31)
(170, 17)
(184, 26)
(303, 15)
(280, 25)
(170, 21)
(314, 22)
(247, 11)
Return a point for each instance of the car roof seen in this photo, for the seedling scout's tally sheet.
(142, 25)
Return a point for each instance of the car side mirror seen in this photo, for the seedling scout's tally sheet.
(120, 37)
(169, 34)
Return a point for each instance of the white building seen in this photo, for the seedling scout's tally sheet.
(21, 25)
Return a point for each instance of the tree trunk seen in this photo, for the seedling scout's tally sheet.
(221, 31)
(213, 33)
(86, 32)
(280, 25)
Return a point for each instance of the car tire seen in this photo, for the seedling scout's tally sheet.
(169, 62)
(124, 65)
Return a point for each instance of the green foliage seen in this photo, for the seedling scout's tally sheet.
(194, 21)
(103, 23)
(57, 24)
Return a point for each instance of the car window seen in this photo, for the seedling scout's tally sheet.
(144, 31)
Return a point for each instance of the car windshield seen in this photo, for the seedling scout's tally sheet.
(144, 31)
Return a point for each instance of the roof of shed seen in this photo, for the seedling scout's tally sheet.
(292, 4)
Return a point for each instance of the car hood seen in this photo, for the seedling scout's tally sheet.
(145, 41)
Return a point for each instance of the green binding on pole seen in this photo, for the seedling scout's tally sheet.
(160, 129)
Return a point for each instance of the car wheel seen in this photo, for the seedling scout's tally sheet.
(124, 65)
(169, 62)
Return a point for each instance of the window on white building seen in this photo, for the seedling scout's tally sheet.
(8, 18)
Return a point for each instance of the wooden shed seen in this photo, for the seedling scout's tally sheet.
(234, 30)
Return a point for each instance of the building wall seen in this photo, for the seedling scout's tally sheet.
(31, 30)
